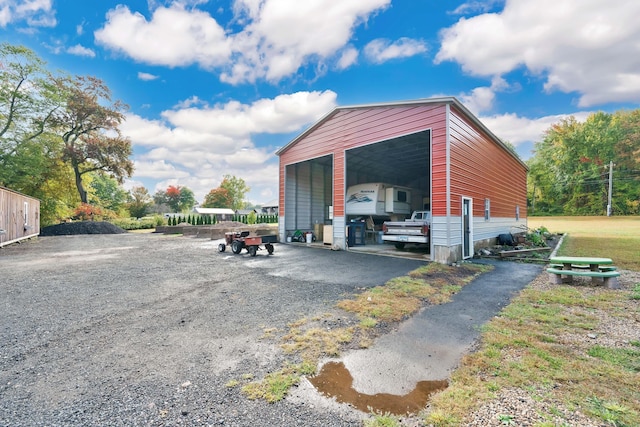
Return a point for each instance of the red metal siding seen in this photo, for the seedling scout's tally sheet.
(482, 169)
(439, 168)
(352, 128)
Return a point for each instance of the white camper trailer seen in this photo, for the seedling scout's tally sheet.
(377, 199)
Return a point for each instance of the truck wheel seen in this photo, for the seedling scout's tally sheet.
(269, 247)
(252, 250)
(222, 247)
(399, 245)
(236, 247)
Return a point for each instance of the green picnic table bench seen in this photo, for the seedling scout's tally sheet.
(585, 267)
(563, 269)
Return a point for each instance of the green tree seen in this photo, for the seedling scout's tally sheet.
(27, 102)
(106, 192)
(237, 189)
(139, 202)
(57, 193)
(627, 163)
(178, 198)
(569, 172)
(252, 218)
(218, 198)
(90, 130)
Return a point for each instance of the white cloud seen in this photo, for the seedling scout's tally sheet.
(190, 102)
(382, 50)
(285, 113)
(276, 39)
(518, 130)
(585, 46)
(282, 35)
(80, 50)
(37, 13)
(482, 98)
(173, 37)
(196, 146)
(476, 6)
(158, 169)
(146, 76)
(348, 57)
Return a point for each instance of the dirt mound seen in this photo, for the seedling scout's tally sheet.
(83, 227)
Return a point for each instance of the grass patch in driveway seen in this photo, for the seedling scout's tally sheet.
(402, 296)
(310, 344)
(276, 385)
(307, 341)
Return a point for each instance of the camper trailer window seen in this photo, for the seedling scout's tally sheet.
(402, 196)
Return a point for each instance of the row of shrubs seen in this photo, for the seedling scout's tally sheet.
(145, 223)
(252, 218)
(151, 222)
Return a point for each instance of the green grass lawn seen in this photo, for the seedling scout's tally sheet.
(617, 238)
(539, 344)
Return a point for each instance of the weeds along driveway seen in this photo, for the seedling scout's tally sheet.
(146, 329)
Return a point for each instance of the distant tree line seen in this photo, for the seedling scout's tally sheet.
(60, 142)
(569, 173)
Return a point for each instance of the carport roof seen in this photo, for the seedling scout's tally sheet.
(424, 101)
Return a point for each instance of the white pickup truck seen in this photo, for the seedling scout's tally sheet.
(412, 230)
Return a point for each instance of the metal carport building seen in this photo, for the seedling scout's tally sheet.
(475, 184)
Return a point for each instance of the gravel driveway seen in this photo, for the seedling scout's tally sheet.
(147, 329)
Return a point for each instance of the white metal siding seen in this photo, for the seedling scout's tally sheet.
(317, 193)
(491, 229)
(339, 232)
(439, 228)
(289, 198)
(481, 229)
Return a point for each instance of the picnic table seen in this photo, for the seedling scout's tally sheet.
(596, 268)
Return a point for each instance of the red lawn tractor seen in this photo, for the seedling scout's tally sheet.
(239, 240)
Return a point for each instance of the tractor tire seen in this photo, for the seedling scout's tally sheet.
(253, 250)
(236, 247)
(399, 245)
(269, 247)
(222, 247)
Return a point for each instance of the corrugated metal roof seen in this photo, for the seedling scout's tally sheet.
(424, 101)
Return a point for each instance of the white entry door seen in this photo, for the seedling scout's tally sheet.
(467, 228)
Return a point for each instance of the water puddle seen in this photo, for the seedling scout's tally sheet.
(335, 380)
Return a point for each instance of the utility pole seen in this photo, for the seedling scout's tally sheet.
(610, 188)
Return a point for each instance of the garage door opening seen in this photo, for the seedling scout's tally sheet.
(402, 163)
(309, 196)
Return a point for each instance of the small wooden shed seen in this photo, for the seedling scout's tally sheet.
(474, 185)
(19, 216)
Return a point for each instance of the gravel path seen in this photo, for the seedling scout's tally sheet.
(148, 330)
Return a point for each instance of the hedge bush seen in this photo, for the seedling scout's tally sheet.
(138, 223)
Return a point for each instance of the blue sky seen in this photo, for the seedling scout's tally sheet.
(216, 87)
